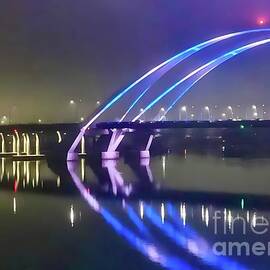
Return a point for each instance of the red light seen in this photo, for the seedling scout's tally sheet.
(261, 21)
(16, 185)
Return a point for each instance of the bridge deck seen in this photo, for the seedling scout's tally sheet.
(184, 124)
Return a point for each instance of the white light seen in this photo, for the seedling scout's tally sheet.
(184, 108)
(39, 120)
(206, 217)
(14, 205)
(162, 109)
(206, 108)
(255, 114)
(230, 219)
(71, 102)
(141, 210)
(82, 119)
(224, 115)
(162, 212)
(254, 107)
(98, 103)
(254, 220)
(71, 216)
(141, 110)
(183, 213)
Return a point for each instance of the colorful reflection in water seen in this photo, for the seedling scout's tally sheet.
(167, 227)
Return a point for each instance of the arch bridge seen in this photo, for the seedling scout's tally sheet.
(139, 101)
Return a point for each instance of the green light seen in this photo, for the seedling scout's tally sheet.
(242, 203)
(242, 126)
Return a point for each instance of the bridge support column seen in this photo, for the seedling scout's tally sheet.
(146, 153)
(116, 139)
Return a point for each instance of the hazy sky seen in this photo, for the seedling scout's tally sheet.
(53, 51)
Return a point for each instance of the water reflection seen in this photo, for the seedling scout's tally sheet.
(172, 228)
(181, 234)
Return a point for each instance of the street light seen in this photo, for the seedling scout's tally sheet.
(184, 110)
(71, 102)
(208, 111)
(231, 110)
(161, 114)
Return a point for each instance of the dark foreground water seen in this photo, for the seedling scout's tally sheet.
(178, 212)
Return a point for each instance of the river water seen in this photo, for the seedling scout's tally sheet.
(172, 212)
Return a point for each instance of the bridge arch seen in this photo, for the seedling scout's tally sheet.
(147, 80)
(197, 74)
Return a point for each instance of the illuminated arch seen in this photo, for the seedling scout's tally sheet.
(199, 73)
(148, 79)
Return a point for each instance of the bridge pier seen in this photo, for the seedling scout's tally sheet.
(116, 138)
(146, 153)
(110, 155)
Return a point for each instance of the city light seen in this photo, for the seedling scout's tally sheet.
(184, 109)
(71, 102)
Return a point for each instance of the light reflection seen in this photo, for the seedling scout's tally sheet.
(254, 220)
(71, 216)
(14, 206)
(2, 168)
(141, 210)
(248, 215)
(37, 171)
(83, 169)
(207, 217)
(58, 181)
(162, 212)
(183, 213)
(163, 167)
(230, 219)
(203, 216)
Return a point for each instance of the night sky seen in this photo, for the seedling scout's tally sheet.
(53, 51)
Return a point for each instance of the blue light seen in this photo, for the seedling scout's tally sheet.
(209, 67)
(136, 220)
(208, 257)
(172, 61)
